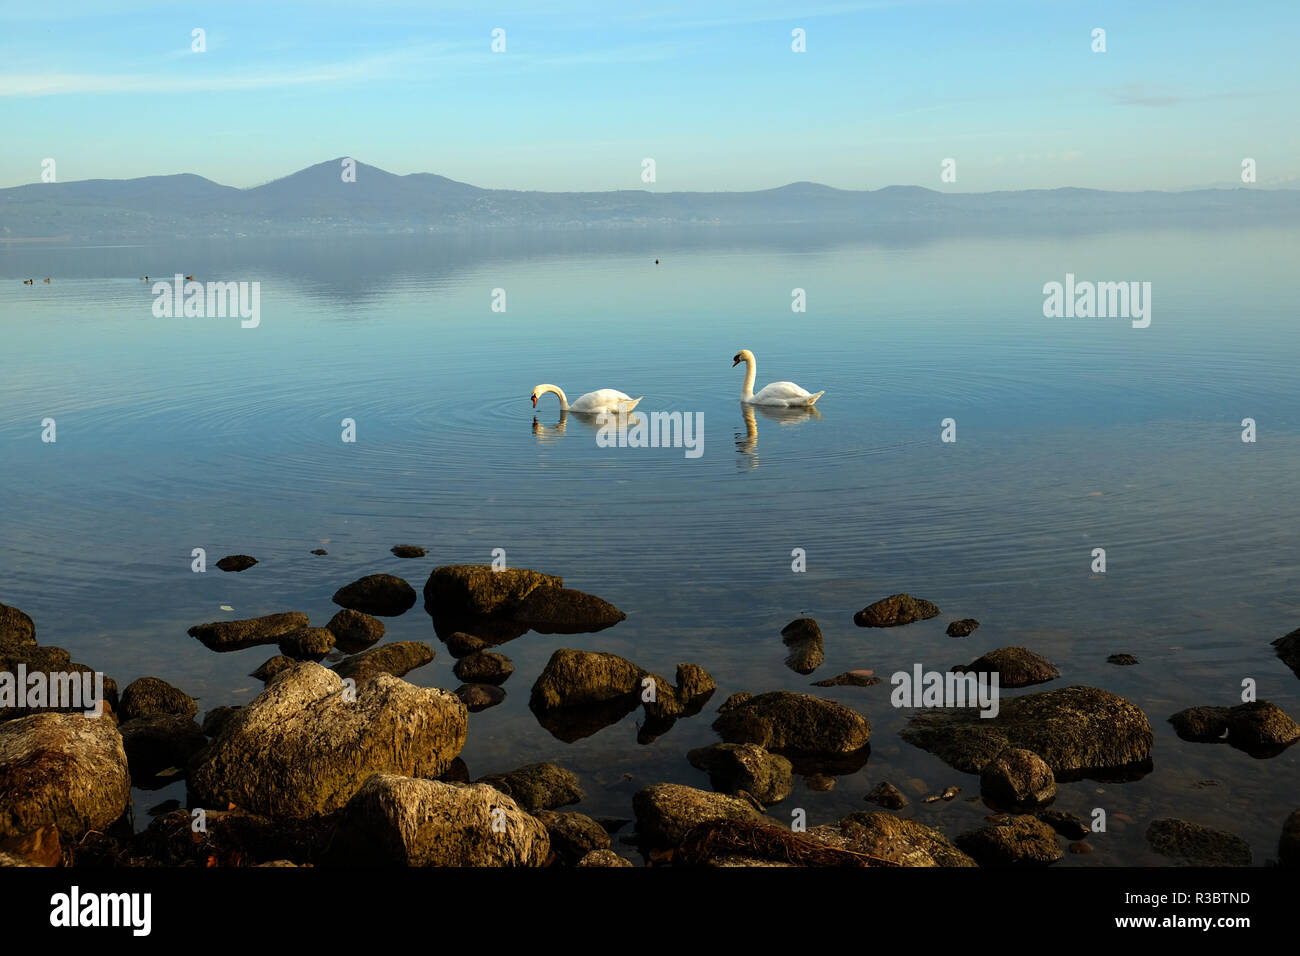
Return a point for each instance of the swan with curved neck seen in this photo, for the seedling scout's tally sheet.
(778, 393)
(601, 400)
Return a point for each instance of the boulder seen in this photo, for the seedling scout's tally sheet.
(603, 858)
(309, 644)
(354, 631)
(16, 629)
(895, 611)
(226, 636)
(804, 638)
(1018, 778)
(149, 696)
(507, 603)
(159, 741)
(398, 659)
(898, 840)
(735, 767)
(216, 718)
(408, 551)
(236, 562)
(888, 796)
(384, 594)
(472, 590)
(459, 644)
(269, 668)
(666, 811)
(1288, 650)
(1194, 845)
(484, 667)
(477, 697)
(1013, 841)
(573, 835)
(858, 678)
(537, 786)
(963, 628)
(1015, 666)
(783, 722)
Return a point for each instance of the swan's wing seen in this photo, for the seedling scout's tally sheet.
(782, 393)
(608, 398)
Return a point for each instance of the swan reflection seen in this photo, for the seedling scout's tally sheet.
(551, 433)
(747, 444)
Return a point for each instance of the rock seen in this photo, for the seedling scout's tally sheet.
(225, 636)
(1288, 846)
(895, 611)
(484, 667)
(398, 659)
(477, 697)
(782, 721)
(1013, 841)
(16, 628)
(159, 741)
(236, 562)
(1261, 728)
(74, 688)
(354, 631)
(319, 551)
(1018, 778)
(474, 590)
(408, 551)
(1075, 730)
(460, 644)
(693, 682)
(550, 610)
(457, 772)
(1066, 824)
(1078, 846)
(584, 677)
(573, 835)
(1201, 724)
(40, 847)
(270, 668)
(603, 858)
(735, 767)
(1016, 667)
(400, 821)
(63, 770)
(735, 700)
(888, 796)
(1288, 650)
(537, 786)
(804, 638)
(859, 678)
(509, 602)
(666, 811)
(963, 628)
(149, 696)
(300, 749)
(1123, 660)
(819, 782)
(1193, 844)
(216, 718)
(309, 644)
(894, 839)
(382, 594)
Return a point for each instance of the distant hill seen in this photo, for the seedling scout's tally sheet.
(315, 201)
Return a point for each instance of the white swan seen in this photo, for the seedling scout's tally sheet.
(778, 393)
(601, 400)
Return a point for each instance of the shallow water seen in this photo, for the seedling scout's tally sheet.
(1072, 434)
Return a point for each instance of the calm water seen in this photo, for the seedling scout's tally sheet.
(1072, 434)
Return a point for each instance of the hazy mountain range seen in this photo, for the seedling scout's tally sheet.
(315, 201)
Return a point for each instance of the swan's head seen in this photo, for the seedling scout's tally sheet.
(534, 398)
(744, 355)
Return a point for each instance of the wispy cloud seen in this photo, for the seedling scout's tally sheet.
(1136, 94)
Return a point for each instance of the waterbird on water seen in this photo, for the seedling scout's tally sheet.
(601, 400)
(778, 393)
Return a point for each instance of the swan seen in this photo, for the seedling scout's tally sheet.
(601, 400)
(778, 393)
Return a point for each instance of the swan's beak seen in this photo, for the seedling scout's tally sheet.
(735, 363)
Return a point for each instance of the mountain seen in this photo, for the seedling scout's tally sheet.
(316, 201)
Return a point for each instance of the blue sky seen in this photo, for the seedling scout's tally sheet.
(712, 91)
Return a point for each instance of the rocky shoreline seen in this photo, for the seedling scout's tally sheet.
(350, 765)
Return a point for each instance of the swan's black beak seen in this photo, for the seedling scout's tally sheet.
(735, 362)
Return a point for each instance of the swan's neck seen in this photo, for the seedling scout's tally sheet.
(559, 392)
(751, 370)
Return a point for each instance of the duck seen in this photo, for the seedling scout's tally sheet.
(601, 400)
(27, 282)
(189, 278)
(47, 280)
(778, 393)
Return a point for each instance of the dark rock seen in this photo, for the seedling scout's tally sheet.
(236, 635)
(397, 659)
(888, 796)
(859, 678)
(894, 839)
(484, 667)
(1015, 666)
(819, 782)
(479, 697)
(804, 638)
(408, 551)
(573, 835)
(735, 700)
(603, 858)
(785, 722)
(1018, 778)
(460, 644)
(735, 767)
(382, 594)
(1075, 730)
(574, 723)
(666, 811)
(506, 603)
(1288, 650)
(64, 770)
(229, 838)
(1195, 845)
(149, 696)
(549, 610)
(216, 718)
(159, 741)
(16, 628)
(401, 821)
(236, 562)
(474, 590)
(537, 786)
(354, 631)
(319, 551)
(302, 748)
(1066, 824)
(1201, 724)
(693, 682)
(309, 644)
(21, 661)
(270, 668)
(574, 677)
(895, 611)
(1013, 841)
(963, 628)
(1261, 728)
(1123, 660)
(1288, 846)
(456, 772)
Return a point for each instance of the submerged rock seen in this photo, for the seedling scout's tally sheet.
(804, 638)
(401, 821)
(888, 796)
(537, 786)
(1123, 660)
(382, 594)
(460, 644)
(666, 811)
(1195, 845)
(62, 770)
(408, 551)
(236, 562)
(479, 697)
(1066, 824)
(149, 696)
(895, 611)
(397, 659)
(858, 678)
(1016, 778)
(963, 628)
(309, 644)
(319, 551)
(355, 631)
(784, 722)
(1075, 730)
(1013, 841)
(735, 767)
(484, 667)
(1015, 666)
(225, 636)
(302, 749)
(892, 839)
